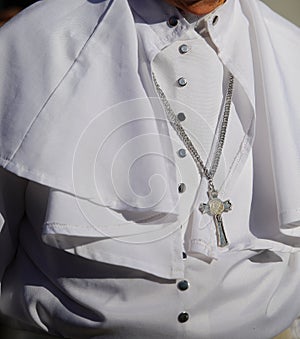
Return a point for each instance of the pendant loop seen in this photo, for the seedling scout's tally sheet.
(211, 186)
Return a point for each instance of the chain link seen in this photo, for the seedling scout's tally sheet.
(176, 125)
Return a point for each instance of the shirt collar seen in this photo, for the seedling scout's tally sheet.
(227, 26)
(157, 13)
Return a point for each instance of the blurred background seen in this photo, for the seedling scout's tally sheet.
(290, 9)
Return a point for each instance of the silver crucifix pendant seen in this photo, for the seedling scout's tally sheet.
(215, 207)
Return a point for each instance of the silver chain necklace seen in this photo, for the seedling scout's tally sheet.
(215, 206)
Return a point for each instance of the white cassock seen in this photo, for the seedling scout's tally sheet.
(93, 225)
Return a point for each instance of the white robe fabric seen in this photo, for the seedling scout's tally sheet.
(66, 83)
(66, 119)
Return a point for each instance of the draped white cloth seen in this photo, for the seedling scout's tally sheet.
(98, 170)
(66, 119)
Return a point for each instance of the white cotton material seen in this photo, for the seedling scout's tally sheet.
(85, 125)
(82, 255)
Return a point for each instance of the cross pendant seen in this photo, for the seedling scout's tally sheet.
(215, 207)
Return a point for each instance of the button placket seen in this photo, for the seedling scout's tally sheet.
(182, 285)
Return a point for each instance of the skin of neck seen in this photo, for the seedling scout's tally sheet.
(200, 7)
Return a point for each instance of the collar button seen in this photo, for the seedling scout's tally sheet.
(173, 21)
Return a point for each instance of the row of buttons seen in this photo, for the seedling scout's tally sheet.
(181, 116)
(182, 285)
(183, 49)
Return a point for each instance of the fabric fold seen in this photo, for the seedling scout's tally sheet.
(279, 118)
(108, 134)
(91, 130)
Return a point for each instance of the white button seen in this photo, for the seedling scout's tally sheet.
(183, 49)
(182, 82)
(182, 153)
